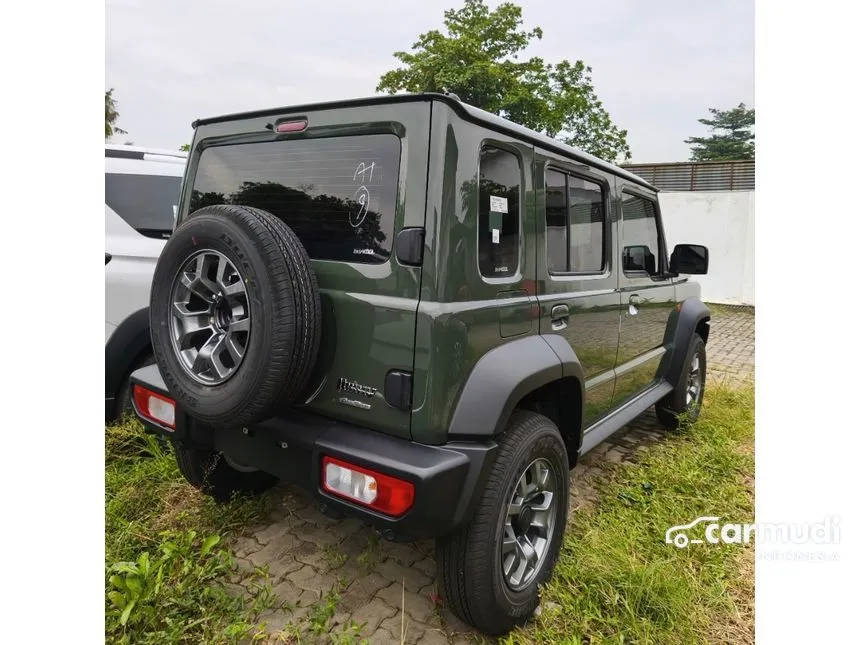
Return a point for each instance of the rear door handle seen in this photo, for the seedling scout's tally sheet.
(633, 305)
(559, 315)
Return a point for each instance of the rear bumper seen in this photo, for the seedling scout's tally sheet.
(448, 479)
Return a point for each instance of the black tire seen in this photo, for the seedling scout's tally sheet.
(469, 563)
(210, 472)
(124, 407)
(283, 299)
(674, 404)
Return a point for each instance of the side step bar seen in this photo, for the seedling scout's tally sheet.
(609, 425)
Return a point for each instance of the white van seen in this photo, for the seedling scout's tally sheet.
(141, 195)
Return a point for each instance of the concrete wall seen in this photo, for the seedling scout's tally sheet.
(725, 223)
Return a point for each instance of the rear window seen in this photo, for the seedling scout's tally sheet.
(338, 194)
(145, 202)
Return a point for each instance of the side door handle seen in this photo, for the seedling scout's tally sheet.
(559, 315)
(633, 305)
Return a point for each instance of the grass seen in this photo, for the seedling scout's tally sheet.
(168, 576)
(617, 581)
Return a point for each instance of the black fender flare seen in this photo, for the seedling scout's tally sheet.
(123, 347)
(504, 375)
(683, 322)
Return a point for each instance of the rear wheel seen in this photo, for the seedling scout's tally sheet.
(489, 571)
(218, 476)
(235, 314)
(685, 401)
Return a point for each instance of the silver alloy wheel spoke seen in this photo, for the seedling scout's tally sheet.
(694, 382)
(529, 521)
(210, 317)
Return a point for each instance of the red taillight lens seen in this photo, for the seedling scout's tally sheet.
(380, 492)
(155, 407)
(291, 126)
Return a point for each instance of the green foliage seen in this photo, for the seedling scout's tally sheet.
(111, 116)
(185, 147)
(618, 581)
(478, 59)
(732, 137)
(167, 575)
(179, 595)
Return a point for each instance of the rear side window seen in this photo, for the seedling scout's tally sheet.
(145, 202)
(338, 194)
(499, 213)
(575, 224)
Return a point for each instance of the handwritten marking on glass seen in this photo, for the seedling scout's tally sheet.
(361, 197)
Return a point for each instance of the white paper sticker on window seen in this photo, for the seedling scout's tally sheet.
(498, 204)
(495, 236)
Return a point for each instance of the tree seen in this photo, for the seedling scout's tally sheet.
(111, 116)
(185, 147)
(478, 60)
(732, 139)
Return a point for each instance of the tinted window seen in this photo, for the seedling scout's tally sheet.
(338, 194)
(556, 222)
(499, 213)
(575, 216)
(145, 202)
(640, 242)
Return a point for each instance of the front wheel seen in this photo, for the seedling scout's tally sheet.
(685, 401)
(218, 476)
(489, 571)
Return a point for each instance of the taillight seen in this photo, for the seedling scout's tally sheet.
(155, 407)
(380, 492)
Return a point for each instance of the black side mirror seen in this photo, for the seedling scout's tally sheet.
(691, 259)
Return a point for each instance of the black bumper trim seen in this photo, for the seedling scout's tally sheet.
(448, 479)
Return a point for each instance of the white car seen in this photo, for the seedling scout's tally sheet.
(141, 196)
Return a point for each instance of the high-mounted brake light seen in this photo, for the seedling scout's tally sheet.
(291, 126)
(380, 492)
(155, 406)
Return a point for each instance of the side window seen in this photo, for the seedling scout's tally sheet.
(640, 241)
(498, 213)
(556, 222)
(575, 221)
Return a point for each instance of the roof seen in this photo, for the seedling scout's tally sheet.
(139, 152)
(464, 110)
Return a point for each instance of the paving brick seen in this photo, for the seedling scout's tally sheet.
(309, 579)
(414, 632)
(413, 577)
(418, 607)
(372, 613)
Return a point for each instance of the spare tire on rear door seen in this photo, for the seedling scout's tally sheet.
(235, 315)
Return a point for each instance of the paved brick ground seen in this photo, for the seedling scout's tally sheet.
(385, 587)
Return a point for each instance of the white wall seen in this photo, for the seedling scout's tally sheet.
(725, 223)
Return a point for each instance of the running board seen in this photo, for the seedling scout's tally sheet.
(608, 426)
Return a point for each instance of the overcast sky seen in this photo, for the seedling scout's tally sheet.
(657, 65)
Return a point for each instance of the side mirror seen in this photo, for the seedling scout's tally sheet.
(691, 259)
(638, 258)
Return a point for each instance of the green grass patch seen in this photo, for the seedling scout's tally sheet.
(617, 581)
(168, 575)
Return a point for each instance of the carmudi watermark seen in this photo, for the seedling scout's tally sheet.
(712, 530)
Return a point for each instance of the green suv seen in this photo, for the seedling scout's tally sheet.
(423, 313)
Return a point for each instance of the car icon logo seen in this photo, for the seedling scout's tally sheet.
(676, 535)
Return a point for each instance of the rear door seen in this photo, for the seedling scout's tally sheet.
(647, 293)
(578, 297)
(347, 184)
